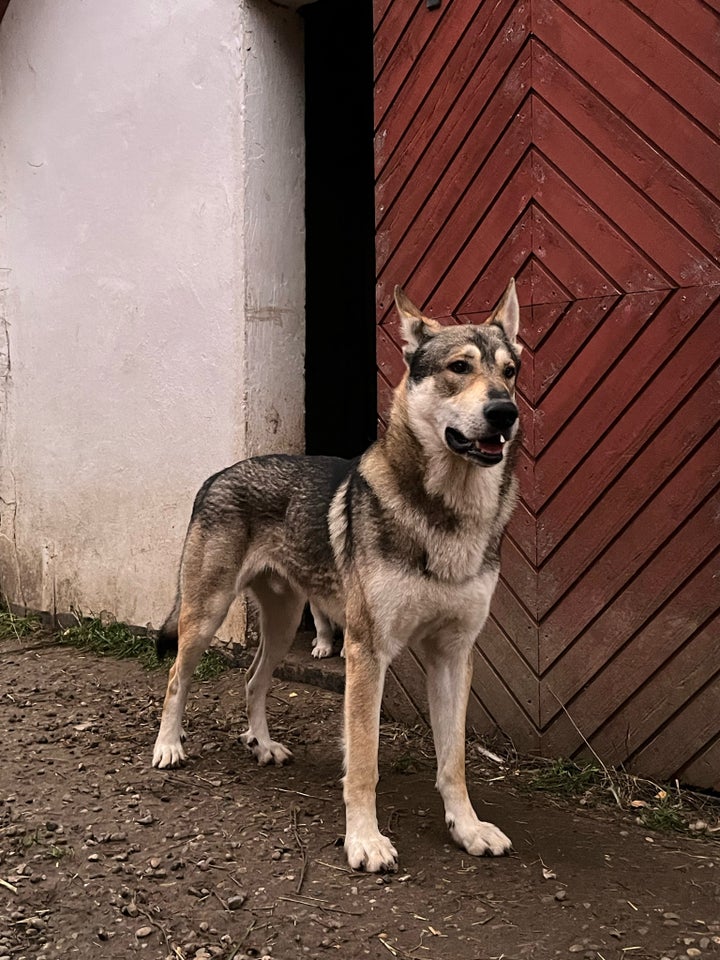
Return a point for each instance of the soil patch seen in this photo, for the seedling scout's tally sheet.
(102, 856)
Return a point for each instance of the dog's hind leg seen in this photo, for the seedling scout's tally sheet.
(449, 673)
(281, 608)
(208, 589)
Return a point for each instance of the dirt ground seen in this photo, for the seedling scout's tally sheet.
(102, 856)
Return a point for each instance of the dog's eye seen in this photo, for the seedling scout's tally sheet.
(509, 372)
(459, 366)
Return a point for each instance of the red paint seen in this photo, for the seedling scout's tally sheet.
(574, 147)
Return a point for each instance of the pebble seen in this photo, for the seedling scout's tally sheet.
(234, 903)
(561, 895)
(143, 932)
(693, 952)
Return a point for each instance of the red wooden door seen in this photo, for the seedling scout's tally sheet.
(573, 146)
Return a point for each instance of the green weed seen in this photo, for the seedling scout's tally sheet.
(566, 778)
(664, 809)
(106, 637)
(665, 818)
(13, 626)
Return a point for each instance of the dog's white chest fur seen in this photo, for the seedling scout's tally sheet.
(409, 607)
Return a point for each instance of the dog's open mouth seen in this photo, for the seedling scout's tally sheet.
(483, 450)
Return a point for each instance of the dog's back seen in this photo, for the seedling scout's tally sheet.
(275, 508)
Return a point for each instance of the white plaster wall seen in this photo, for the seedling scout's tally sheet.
(152, 312)
(274, 232)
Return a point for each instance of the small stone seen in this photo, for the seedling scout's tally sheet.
(561, 895)
(693, 952)
(143, 932)
(577, 948)
(670, 916)
(235, 903)
(704, 943)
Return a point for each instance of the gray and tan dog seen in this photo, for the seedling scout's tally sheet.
(397, 547)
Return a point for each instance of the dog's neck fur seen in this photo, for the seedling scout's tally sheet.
(432, 479)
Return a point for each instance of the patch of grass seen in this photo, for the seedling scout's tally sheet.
(566, 778)
(668, 809)
(107, 638)
(13, 626)
(104, 636)
(211, 666)
(665, 817)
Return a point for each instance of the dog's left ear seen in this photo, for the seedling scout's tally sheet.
(507, 313)
(416, 328)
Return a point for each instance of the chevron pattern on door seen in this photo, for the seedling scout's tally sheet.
(573, 145)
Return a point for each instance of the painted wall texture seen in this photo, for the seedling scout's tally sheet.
(151, 282)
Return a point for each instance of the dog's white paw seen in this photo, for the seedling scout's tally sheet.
(168, 753)
(479, 839)
(266, 751)
(371, 852)
(322, 648)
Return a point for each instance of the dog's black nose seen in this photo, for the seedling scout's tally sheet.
(500, 414)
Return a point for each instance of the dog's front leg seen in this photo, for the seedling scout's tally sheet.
(449, 673)
(365, 846)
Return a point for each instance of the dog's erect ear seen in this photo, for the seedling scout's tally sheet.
(507, 313)
(415, 327)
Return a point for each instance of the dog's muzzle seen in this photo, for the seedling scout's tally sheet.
(486, 450)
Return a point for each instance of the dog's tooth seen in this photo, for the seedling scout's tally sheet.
(502, 439)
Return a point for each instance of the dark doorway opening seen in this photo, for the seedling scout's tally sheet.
(340, 391)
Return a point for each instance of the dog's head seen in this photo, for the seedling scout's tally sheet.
(461, 380)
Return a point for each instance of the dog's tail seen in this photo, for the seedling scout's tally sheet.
(166, 644)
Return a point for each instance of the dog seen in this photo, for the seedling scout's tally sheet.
(397, 547)
(322, 644)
